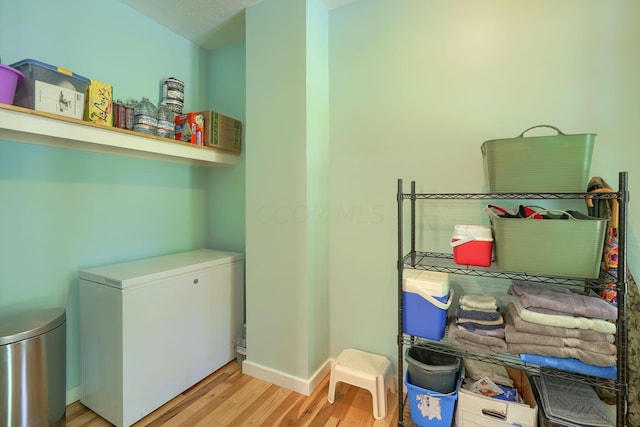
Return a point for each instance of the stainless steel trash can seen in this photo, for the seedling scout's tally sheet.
(33, 368)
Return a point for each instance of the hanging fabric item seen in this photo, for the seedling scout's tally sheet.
(521, 211)
(605, 208)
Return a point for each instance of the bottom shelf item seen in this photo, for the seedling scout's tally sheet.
(429, 408)
(570, 403)
(475, 410)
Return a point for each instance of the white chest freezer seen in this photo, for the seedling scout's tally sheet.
(151, 328)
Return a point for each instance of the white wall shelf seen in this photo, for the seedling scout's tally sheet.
(35, 127)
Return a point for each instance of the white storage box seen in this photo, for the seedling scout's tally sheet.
(475, 410)
(426, 300)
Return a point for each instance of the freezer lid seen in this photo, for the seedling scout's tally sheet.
(132, 273)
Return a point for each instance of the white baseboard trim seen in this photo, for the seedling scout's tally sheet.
(281, 379)
(73, 395)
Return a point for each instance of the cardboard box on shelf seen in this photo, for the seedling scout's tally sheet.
(222, 132)
(476, 410)
(99, 107)
(190, 128)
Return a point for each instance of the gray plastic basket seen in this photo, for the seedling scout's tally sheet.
(432, 371)
(559, 247)
(538, 164)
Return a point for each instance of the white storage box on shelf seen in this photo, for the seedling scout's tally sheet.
(150, 329)
(476, 410)
(472, 245)
(426, 300)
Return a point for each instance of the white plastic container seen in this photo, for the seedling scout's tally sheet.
(426, 300)
(472, 245)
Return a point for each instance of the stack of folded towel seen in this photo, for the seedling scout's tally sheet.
(558, 323)
(478, 325)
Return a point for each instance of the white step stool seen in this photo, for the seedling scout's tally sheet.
(365, 370)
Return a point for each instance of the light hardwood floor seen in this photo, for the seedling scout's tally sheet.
(229, 398)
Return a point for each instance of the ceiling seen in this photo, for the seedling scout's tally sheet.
(208, 23)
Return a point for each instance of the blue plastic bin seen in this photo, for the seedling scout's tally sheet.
(429, 408)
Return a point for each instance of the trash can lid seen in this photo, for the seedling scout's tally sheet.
(21, 326)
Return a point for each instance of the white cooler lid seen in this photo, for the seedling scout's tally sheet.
(421, 281)
(472, 232)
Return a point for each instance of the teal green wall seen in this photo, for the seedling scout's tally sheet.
(416, 87)
(226, 94)
(225, 207)
(287, 186)
(276, 187)
(63, 210)
(317, 105)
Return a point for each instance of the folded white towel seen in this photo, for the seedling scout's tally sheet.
(599, 325)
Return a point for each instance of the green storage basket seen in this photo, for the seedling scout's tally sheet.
(538, 164)
(557, 247)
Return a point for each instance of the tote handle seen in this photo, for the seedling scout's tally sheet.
(557, 211)
(432, 300)
(614, 205)
(462, 241)
(541, 126)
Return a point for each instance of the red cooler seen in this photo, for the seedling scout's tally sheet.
(472, 245)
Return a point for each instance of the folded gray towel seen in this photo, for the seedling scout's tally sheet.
(499, 322)
(465, 340)
(561, 300)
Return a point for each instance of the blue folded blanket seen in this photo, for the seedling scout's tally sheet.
(570, 365)
(478, 314)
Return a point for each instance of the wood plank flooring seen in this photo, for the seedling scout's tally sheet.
(229, 398)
